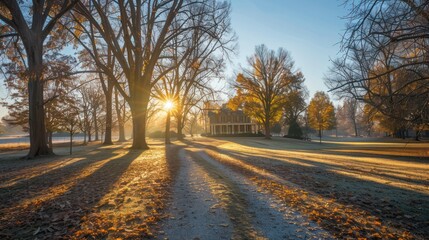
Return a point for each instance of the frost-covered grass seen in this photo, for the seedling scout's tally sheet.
(354, 188)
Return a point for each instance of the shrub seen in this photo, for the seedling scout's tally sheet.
(294, 130)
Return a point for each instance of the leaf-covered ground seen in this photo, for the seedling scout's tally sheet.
(239, 188)
(101, 192)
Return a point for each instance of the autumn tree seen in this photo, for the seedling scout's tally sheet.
(32, 27)
(321, 113)
(262, 87)
(56, 92)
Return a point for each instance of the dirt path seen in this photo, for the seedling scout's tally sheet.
(211, 201)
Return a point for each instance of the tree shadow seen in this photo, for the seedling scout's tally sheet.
(52, 176)
(71, 205)
(333, 147)
(16, 168)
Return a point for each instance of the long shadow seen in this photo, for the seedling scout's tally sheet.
(28, 173)
(317, 166)
(173, 162)
(236, 204)
(330, 167)
(328, 148)
(27, 188)
(407, 159)
(368, 165)
(18, 163)
(75, 203)
(16, 167)
(400, 200)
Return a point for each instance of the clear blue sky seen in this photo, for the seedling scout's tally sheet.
(308, 29)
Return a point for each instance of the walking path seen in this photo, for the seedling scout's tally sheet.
(211, 201)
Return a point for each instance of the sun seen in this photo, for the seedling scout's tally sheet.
(168, 105)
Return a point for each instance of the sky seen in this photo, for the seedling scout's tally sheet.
(309, 29)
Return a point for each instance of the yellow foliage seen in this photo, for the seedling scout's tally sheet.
(321, 112)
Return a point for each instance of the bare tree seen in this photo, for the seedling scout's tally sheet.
(97, 105)
(385, 58)
(195, 62)
(85, 118)
(70, 121)
(122, 115)
(138, 35)
(348, 115)
(193, 122)
(97, 57)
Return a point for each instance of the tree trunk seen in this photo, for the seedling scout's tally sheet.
(267, 130)
(336, 131)
(108, 130)
(139, 130)
(167, 128)
(368, 130)
(122, 133)
(49, 134)
(94, 117)
(121, 122)
(355, 126)
(71, 142)
(38, 144)
(84, 137)
(320, 135)
(139, 115)
(89, 135)
(179, 127)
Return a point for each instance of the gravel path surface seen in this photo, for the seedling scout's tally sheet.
(194, 213)
(211, 201)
